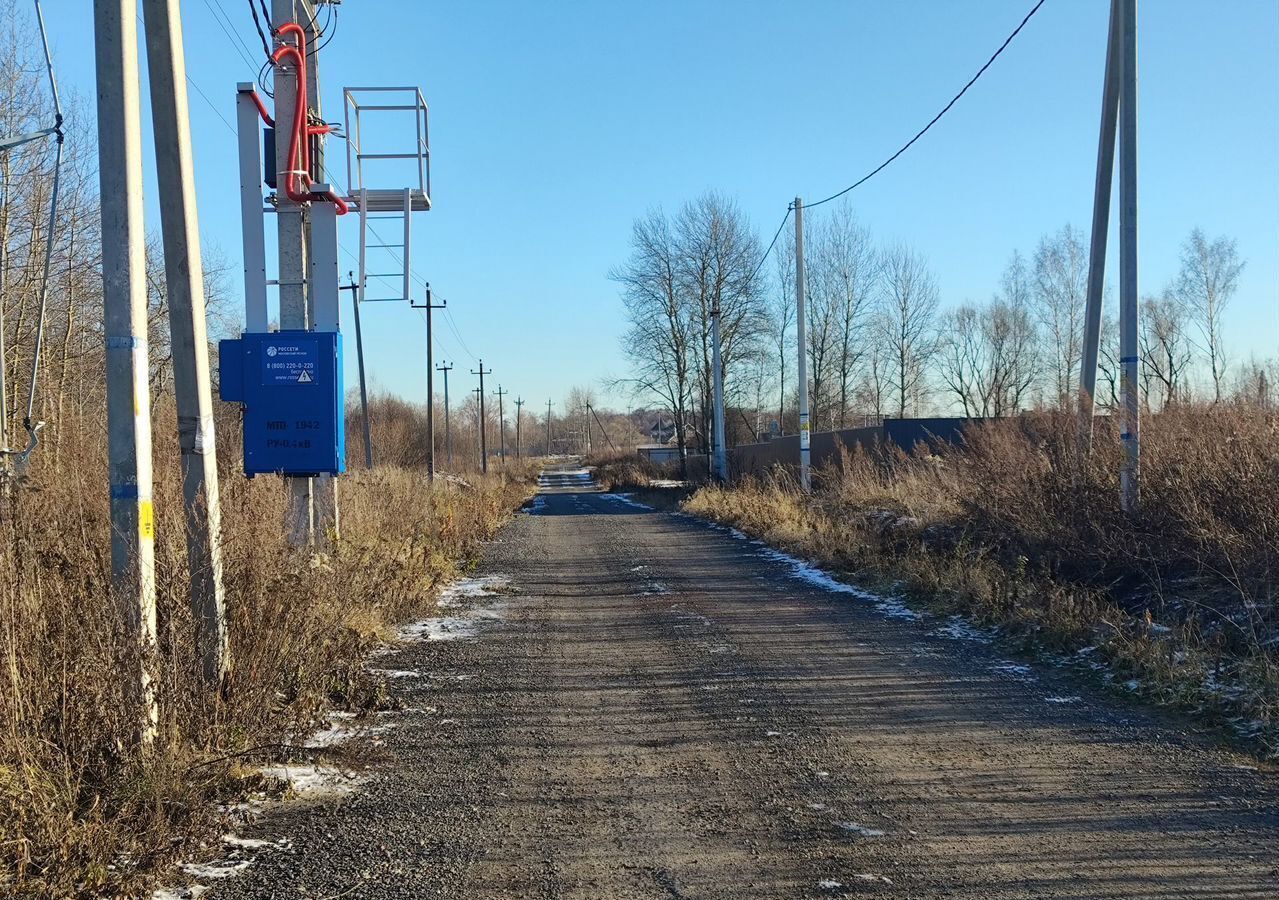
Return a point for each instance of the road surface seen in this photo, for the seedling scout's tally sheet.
(654, 708)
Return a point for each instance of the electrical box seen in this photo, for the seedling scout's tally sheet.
(290, 383)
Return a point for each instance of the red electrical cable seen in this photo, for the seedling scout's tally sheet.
(298, 144)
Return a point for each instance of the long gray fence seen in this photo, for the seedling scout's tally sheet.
(757, 459)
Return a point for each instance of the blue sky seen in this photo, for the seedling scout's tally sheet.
(553, 125)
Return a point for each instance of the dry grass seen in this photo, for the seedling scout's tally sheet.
(1021, 529)
(81, 812)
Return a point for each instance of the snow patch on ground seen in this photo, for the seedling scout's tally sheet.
(1062, 700)
(859, 829)
(538, 505)
(311, 780)
(1014, 670)
(628, 500)
(957, 628)
(806, 571)
(667, 483)
(241, 853)
(464, 624)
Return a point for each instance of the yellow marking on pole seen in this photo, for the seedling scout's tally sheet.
(146, 520)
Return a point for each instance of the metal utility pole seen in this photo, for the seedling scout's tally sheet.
(291, 235)
(519, 407)
(184, 277)
(366, 427)
(484, 455)
(719, 466)
(124, 299)
(501, 420)
(430, 386)
(1100, 228)
(548, 427)
(1130, 473)
(805, 476)
(448, 432)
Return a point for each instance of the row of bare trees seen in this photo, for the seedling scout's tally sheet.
(879, 342)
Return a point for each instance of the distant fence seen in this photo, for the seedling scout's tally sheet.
(756, 459)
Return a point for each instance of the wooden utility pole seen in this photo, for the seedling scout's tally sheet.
(548, 427)
(484, 455)
(124, 299)
(448, 432)
(430, 386)
(805, 477)
(519, 407)
(1100, 226)
(1130, 473)
(184, 277)
(501, 421)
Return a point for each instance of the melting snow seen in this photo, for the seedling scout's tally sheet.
(957, 628)
(1014, 670)
(806, 571)
(1063, 700)
(628, 500)
(858, 828)
(465, 624)
(311, 779)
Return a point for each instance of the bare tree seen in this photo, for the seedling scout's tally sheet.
(1060, 288)
(907, 311)
(783, 319)
(718, 252)
(658, 342)
(1208, 279)
(847, 271)
(1164, 346)
(986, 357)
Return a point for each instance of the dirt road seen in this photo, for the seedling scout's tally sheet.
(654, 708)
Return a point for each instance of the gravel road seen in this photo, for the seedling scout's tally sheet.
(655, 708)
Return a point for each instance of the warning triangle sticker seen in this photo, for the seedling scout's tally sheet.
(305, 377)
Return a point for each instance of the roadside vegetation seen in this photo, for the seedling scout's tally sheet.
(82, 812)
(1019, 529)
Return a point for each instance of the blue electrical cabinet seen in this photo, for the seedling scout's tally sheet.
(290, 383)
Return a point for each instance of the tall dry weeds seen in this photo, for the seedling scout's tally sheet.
(82, 813)
(1019, 527)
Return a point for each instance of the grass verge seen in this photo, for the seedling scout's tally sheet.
(1020, 530)
(82, 812)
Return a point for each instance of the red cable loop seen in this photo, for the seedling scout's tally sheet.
(301, 168)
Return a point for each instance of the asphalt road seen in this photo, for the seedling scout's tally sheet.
(654, 708)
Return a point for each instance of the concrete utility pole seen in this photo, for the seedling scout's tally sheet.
(184, 277)
(1130, 473)
(719, 466)
(519, 407)
(501, 420)
(448, 432)
(1100, 228)
(548, 427)
(124, 299)
(291, 235)
(801, 328)
(586, 409)
(365, 425)
(484, 455)
(430, 386)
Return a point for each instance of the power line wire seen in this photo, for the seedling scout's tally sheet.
(237, 43)
(1008, 40)
(771, 244)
